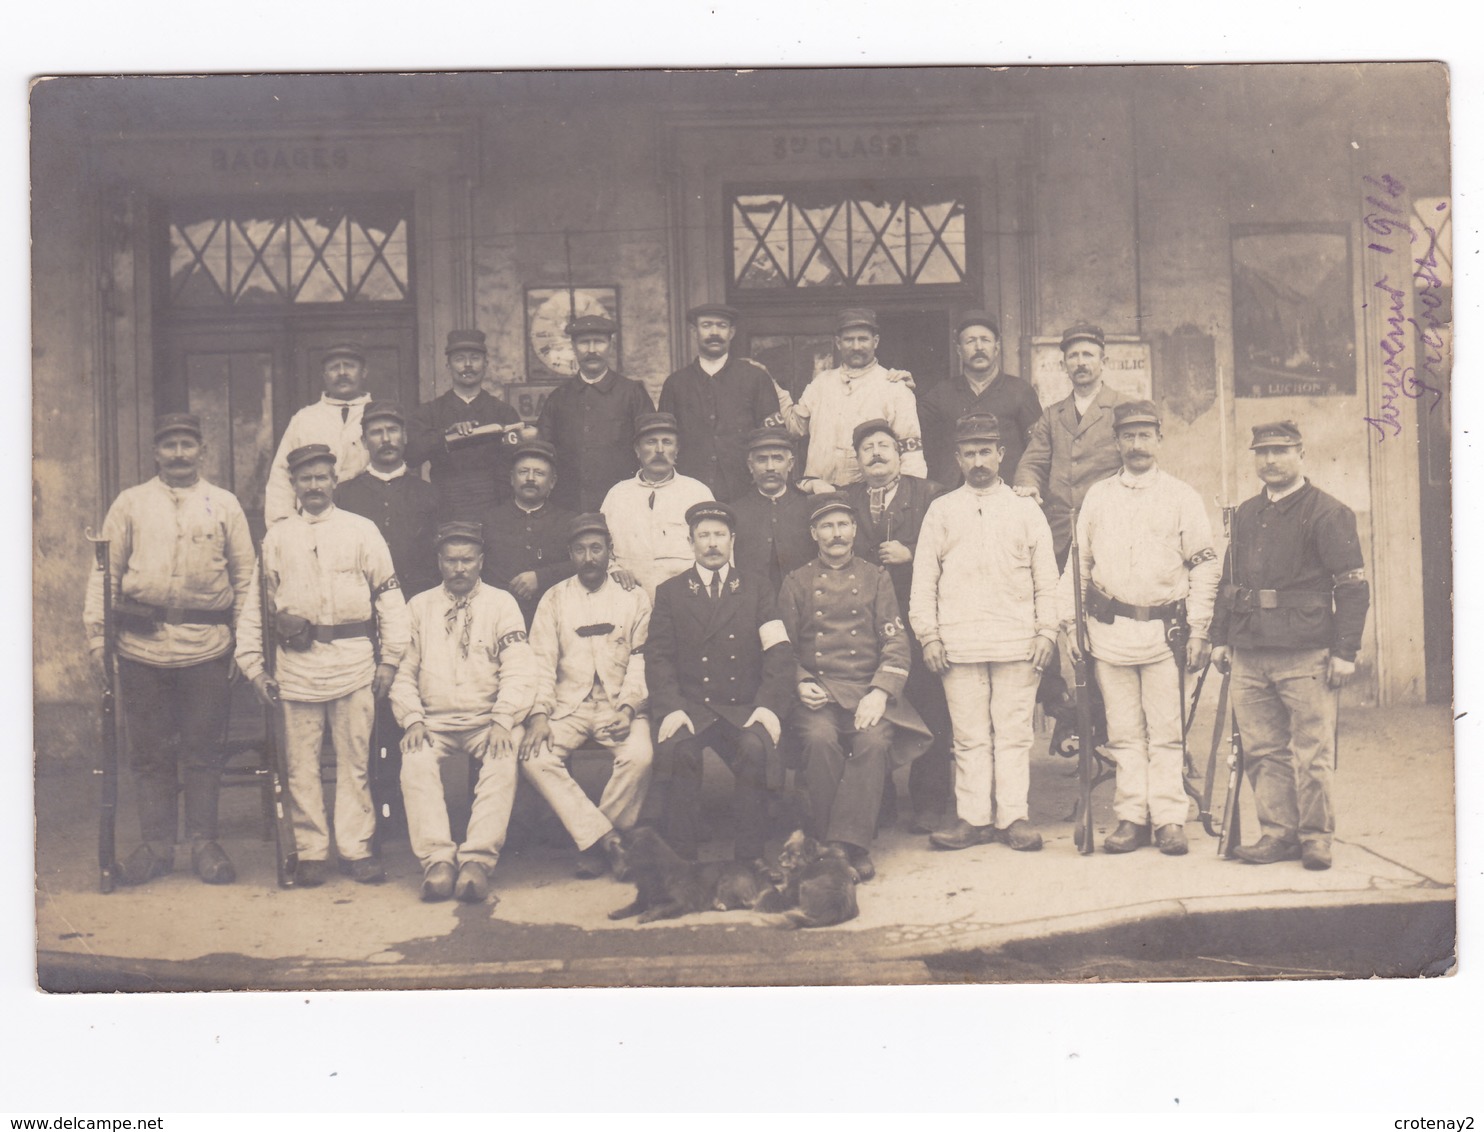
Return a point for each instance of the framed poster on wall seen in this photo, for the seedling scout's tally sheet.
(549, 311)
(1127, 367)
(1293, 315)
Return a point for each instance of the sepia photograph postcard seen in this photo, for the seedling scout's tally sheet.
(1014, 544)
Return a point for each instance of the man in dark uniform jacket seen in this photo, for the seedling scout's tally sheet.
(401, 503)
(525, 537)
(471, 472)
(772, 515)
(1289, 616)
(889, 507)
(852, 721)
(404, 508)
(981, 387)
(590, 420)
(717, 400)
(719, 667)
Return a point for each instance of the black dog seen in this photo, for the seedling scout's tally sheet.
(818, 885)
(670, 886)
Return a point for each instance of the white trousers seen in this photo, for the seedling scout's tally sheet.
(1144, 719)
(427, 809)
(349, 719)
(618, 808)
(992, 705)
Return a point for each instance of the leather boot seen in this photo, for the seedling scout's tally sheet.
(1126, 838)
(1268, 850)
(438, 882)
(1316, 856)
(211, 864)
(145, 863)
(1020, 836)
(962, 835)
(1171, 840)
(473, 885)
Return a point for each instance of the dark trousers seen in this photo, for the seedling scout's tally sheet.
(174, 717)
(386, 776)
(930, 781)
(846, 770)
(676, 787)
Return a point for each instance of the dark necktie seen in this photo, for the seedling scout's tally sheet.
(716, 585)
(344, 413)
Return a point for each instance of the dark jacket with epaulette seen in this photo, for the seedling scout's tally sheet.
(1294, 576)
(714, 415)
(405, 511)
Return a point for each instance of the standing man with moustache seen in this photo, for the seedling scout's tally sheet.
(773, 517)
(1072, 445)
(981, 387)
(471, 473)
(1149, 572)
(717, 400)
(404, 508)
(588, 638)
(467, 682)
(646, 512)
(852, 720)
(329, 574)
(837, 400)
(890, 507)
(718, 663)
(334, 421)
(590, 420)
(526, 536)
(984, 608)
(1293, 604)
(180, 562)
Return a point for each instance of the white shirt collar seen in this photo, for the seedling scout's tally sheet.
(469, 400)
(1141, 480)
(706, 576)
(1085, 403)
(387, 477)
(592, 380)
(712, 367)
(1285, 494)
(340, 403)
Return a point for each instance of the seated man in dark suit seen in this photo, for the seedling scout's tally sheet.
(719, 666)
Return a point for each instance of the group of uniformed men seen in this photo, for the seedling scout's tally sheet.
(661, 583)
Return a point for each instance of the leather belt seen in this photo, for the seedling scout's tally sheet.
(172, 615)
(1247, 599)
(1105, 607)
(324, 634)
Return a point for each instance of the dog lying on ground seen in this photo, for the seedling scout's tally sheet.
(818, 885)
(670, 886)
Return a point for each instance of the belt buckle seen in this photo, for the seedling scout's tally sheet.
(1267, 599)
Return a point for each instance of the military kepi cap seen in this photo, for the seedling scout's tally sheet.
(977, 318)
(178, 422)
(382, 410)
(1135, 412)
(1278, 434)
(711, 509)
(308, 454)
(459, 531)
(1081, 332)
(535, 447)
(646, 423)
(588, 523)
(345, 349)
(769, 436)
(714, 310)
(469, 341)
(856, 316)
(591, 324)
(834, 501)
(976, 426)
(866, 428)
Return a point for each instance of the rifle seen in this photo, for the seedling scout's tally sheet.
(1208, 819)
(108, 763)
(1231, 812)
(1082, 821)
(286, 852)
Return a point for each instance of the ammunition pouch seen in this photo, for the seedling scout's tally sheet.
(294, 632)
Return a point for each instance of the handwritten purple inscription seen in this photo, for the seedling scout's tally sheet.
(1388, 221)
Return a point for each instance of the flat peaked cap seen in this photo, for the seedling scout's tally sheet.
(345, 349)
(834, 501)
(976, 318)
(1135, 412)
(1278, 434)
(471, 340)
(1082, 332)
(178, 422)
(383, 410)
(714, 310)
(976, 426)
(769, 436)
(308, 454)
(856, 316)
(591, 324)
(535, 447)
(459, 531)
(711, 509)
(646, 423)
(588, 523)
(866, 428)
